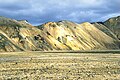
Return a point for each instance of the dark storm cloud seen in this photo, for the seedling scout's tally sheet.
(41, 11)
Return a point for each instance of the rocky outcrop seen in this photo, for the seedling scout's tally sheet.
(63, 35)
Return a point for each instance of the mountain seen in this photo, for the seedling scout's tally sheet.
(114, 25)
(63, 35)
(18, 35)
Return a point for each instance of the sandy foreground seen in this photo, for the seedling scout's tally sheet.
(59, 66)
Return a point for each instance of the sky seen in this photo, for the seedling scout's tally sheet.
(41, 11)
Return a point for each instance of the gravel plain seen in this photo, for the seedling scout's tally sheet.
(59, 66)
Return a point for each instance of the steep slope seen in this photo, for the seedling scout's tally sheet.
(21, 34)
(63, 35)
(114, 25)
(104, 29)
(6, 44)
(73, 36)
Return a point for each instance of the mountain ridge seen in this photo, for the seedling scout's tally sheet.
(20, 35)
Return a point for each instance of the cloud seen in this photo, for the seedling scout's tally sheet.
(41, 11)
(14, 5)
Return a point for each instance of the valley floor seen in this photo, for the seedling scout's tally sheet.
(59, 66)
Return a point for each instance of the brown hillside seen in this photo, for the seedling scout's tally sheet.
(63, 35)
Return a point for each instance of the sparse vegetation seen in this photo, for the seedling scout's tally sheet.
(59, 66)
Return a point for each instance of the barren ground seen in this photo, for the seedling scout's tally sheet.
(59, 66)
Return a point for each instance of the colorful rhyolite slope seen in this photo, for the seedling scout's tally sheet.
(63, 35)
